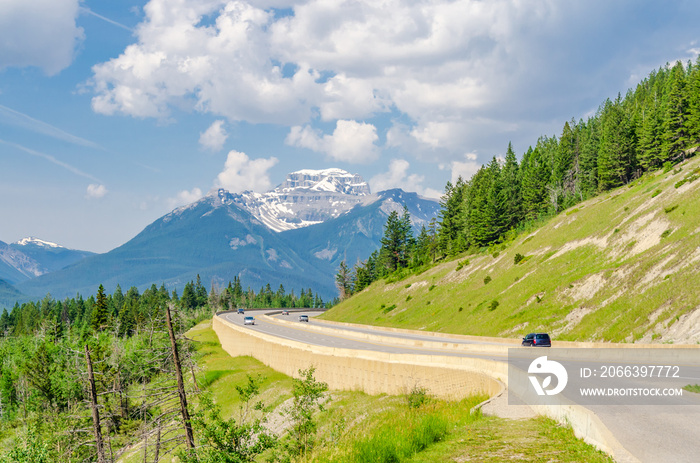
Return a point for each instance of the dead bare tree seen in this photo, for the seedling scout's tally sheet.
(189, 435)
(95, 411)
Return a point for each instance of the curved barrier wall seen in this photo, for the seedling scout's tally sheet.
(367, 371)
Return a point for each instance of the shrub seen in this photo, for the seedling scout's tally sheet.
(666, 233)
(461, 264)
(670, 209)
(389, 309)
(495, 254)
(518, 258)
(408, 298)
(431, 287)
(487, 279)
(417, 397)
(656, 193)
(494, 305)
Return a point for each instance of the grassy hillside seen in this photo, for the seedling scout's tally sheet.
(620, 267)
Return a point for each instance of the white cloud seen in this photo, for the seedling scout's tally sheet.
(465, 169)
(351, 141)
(185, 197)
(95, 191)
(460, 74)
(241, 173)
(40, 33)
(214, 137)
(398, 177)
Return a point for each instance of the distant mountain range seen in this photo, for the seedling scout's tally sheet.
(31, 257)
(294, 235)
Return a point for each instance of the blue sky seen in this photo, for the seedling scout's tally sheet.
(113, 113)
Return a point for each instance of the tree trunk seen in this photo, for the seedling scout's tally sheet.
(180, 383)
(95, 412)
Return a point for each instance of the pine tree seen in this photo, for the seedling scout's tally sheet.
(343, 280)
(535, 174)
(100, 313)
(675, 136)
(512, 190)
(693, 91)
(650, 154)
(616, 160)
(451, 238)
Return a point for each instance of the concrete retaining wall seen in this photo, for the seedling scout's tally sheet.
(368, 371)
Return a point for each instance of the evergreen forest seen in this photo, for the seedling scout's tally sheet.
(654, 126)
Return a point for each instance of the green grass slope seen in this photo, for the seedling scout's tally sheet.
(620, 267)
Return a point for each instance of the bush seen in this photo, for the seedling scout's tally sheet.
(417, 397)
(494, 305)
(518, 258)
(487, 279)
(656, 193)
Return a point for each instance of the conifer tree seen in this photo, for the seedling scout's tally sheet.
(535, 173)
(693, 91)
(676, 137)
(512, 190)
(616, 160)
(100, 314)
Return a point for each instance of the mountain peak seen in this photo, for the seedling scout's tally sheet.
(329, 180)
(32, 240)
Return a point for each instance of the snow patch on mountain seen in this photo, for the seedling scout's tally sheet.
(326, 254)
(306, 197)
(235, 243)
(32, 240)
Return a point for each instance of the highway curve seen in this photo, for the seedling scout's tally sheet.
(649, 433)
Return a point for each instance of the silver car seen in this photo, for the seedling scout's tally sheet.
(249, 321)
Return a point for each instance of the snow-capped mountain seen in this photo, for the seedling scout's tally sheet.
(295, 235)
(306, 197)
(17, 265)
(32, 257)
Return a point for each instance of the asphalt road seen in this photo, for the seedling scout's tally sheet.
(652, 433)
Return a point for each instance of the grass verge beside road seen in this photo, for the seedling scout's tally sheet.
(357, 427)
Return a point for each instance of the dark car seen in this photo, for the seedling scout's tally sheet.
(537, 340)
(304, 318)
(285, 312)
(240, 311)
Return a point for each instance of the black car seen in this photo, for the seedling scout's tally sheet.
(537, 340)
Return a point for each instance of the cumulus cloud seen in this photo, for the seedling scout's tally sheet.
(351, 141)
(185, 197)
(214, 137)
(398, 177)
(461, 74)
(242, 173)
(40, 33)
(465, 168)
(95, 191)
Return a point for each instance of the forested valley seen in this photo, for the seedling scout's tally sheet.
(45, 399)
(654, 126)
